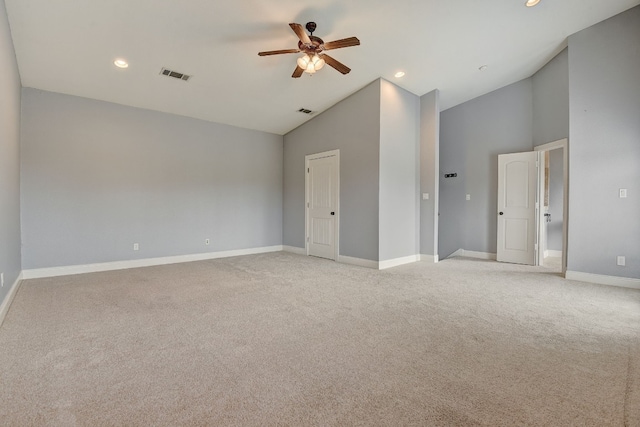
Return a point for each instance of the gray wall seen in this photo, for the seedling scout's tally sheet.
(453, 155)
(429, 170)
(604, 152)
(98, 177)
(556, 200)
(551, 100)
(10, 260)
(471, 137)
(399, 232)
(353, 127)
(550, 123)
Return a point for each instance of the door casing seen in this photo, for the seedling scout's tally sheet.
(564, 145)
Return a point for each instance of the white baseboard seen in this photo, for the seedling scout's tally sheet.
(474, 254)
(294, 250)
(552, 253)
(8, 299)
(382, 265)
(358, 261)
(429, 258)
(147, 262)
(624, 282)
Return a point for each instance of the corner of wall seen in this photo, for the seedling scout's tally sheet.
(5, 305)
(429, 172)
(10, 106)
(399, 144)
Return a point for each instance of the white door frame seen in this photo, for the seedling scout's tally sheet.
(307, 158)
(540, 224)
(564, 145)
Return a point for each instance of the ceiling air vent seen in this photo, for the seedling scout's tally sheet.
(304, 110)
(176, 75)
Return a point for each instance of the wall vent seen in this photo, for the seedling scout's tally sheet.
(306, 111)
(176, 75)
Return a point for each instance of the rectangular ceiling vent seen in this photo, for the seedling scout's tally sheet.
(176, 75)
(306, 111)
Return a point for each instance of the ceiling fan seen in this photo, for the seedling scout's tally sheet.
(313, 47)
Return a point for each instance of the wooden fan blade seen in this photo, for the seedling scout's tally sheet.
(297, 28)
(336, 64)
(278, 52)
(297, 73)
(337, 44)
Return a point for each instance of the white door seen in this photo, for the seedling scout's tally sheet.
(322, 204)
(517, 191)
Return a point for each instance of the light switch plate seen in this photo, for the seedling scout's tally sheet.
(425, 196)
(623, 193)
(468, 196)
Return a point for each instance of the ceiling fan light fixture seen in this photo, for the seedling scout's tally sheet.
(531, 3)
(318, 62)
(310, 64)
(304, 61)
(311, 69)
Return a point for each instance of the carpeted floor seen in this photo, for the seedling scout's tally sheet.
(282, 339)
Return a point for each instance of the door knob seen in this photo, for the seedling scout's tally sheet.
(501, 213)
(333, 213)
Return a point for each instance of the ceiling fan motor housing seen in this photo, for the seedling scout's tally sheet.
(317, 46)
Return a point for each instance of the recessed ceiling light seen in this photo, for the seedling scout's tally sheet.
(120, 63)
(399, 74)
(483, 67)
(531, 3)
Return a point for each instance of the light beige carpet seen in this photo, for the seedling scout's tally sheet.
(281, 339)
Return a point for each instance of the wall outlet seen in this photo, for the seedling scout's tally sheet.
(468, 196)
(1, 280)
(136, 246)
(621, 260)
(206, 241)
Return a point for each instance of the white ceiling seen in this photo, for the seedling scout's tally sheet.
(68, 46)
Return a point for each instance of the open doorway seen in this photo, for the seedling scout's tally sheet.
(553, 187)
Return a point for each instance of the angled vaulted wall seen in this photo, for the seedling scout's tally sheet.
(377, 132)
